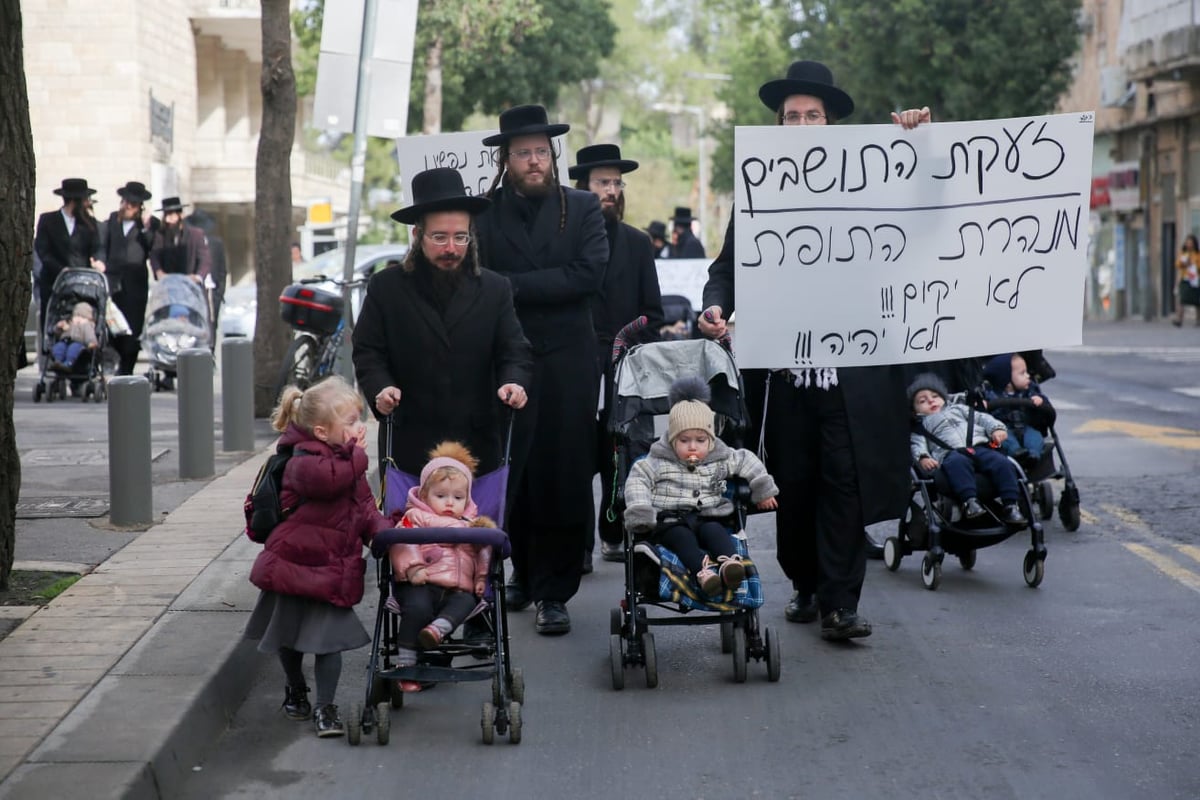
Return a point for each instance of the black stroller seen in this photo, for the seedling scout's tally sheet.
(490, 655)
(653, 575)
(85, 376)
(680, 318)
(933, 522)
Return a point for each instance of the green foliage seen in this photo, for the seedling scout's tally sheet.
(306, 27)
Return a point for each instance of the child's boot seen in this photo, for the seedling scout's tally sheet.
(732, 570)
(1012, 514)
(327, 721)
(295, 702)
(707, 577)
(972, 509)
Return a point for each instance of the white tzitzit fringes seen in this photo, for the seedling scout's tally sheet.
(821, 377)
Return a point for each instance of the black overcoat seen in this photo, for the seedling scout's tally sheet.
(555, 274)
(629, 289)
(448, 370)
(125, 256)
(52, 243)
(876, 405)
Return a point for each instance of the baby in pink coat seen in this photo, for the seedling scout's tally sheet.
(437, 586)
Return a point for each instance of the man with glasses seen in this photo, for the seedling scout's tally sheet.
(836, 439)
(629, 290)
(437, 342)
(549, 241)
(128, 238)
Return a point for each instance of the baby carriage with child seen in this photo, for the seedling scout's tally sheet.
(78, 364)
(488, 652)
(654, 575)
(176, 320)
(966, 494)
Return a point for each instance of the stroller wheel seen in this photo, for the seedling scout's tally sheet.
(931, 572)
(354, 725)
(774, 659)
(1068, 514)
(891, 553)
(514, 722)
(89, 391)
(39, 389)
(518, 685)
(383, 723)
(1034, 569)
(616, 621)
(616, 660)
(739, 654)
(487, 722)
(1044, 494)
(726, 637)
(651, 660)
(967, 559)
(395, 694)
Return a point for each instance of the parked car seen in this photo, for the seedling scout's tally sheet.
(240, 310)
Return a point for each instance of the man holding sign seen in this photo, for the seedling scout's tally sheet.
(836, 439)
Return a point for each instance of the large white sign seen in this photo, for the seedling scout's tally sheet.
(685, 277)
(463, 151)
(870, 244)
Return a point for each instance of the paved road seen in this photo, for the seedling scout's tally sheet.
(1082, 688)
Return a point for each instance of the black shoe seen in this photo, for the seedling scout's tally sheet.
(552, 618)
(587, 563)
(327, 722)
(801, 608)
(515, 596)
(844, 624)
(476, 630)
(1011, 515)
(971, 509)
(295, 702)
(612, 552)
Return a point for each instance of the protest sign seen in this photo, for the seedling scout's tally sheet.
(869, 244)
(463, 151)
(683, 276)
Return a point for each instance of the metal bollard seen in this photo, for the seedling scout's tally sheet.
(195, 388)
(237, 394)
(130, 488)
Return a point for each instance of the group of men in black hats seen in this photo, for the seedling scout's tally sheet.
(682, 242)
(122, 246)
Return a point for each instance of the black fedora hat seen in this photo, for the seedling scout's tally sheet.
(682, 214)
(807, 77)
(525, 121)
(657, 229)
(134, 192)
(599, 155)
(439, 189)
(74, 187)
(173, 204)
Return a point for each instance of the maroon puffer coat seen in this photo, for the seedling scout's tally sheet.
(317, 552)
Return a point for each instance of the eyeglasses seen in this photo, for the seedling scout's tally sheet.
(807, 118)
(525, 154)
(443, 239)
(608, 183)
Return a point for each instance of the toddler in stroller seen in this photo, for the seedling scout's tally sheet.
(78, 334)
(1014, 398)
(437, 586)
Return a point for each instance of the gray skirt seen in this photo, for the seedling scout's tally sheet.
(304, 625)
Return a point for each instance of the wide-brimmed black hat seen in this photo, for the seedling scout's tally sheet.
(439, 189)
(807, 77)
(134, 192)
(683, 214)
(657, 229)
(525, 121)
(599, 155)
(173, 204)
(74, 187)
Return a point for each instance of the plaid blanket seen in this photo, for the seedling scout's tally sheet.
(677, 585)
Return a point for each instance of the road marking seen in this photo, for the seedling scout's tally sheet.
(1088, 517)
(1189, 550)
(1190, 391)
(1165, 565)
(1130, 518)
(1161, 435)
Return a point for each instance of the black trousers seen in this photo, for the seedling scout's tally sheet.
(423, 604)
(691, 542)
(819, 524)
(127, 348)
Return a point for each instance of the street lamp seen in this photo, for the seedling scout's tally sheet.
(701, 134)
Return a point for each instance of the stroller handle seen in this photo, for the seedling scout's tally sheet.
(506, 458)
(621, 340)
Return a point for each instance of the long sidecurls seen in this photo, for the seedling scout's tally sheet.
(502, 158)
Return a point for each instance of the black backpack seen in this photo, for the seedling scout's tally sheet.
(264, 505)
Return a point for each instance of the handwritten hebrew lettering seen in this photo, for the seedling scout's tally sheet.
(952, 240)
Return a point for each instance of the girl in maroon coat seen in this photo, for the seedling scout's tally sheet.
(437, 586)
(311, 568)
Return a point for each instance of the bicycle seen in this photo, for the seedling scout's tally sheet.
(316, 314)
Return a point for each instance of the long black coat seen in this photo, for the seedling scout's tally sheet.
(448, 370)
(52, 243)
(876, 406)
(125, 256)
(629, 289)
(554, 275)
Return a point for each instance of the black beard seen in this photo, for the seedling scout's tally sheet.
(531, 188)
(611, 213)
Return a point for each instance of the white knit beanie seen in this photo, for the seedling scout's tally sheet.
(689, 399)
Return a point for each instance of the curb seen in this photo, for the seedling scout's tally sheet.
(125, 679)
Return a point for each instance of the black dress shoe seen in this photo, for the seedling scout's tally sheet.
(844, 624)
(801, 608)
(552, 618)
(515, 596)
(612, 552)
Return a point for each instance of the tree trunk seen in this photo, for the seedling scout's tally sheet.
(433, 88)
(16, 245)
(273, 200)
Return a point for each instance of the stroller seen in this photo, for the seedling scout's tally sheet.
(501, 714)
(86, 375)
(679, 317)
(933, 522)
(654, 576)
(176, 320)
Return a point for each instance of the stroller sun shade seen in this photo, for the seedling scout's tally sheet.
(645, 374)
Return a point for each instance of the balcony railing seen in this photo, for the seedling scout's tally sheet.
(1159, 38)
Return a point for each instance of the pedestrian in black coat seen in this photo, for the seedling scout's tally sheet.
(437, 343)
(128, 237)
(548, 241)
(629, 290)
(684, 243)
(68, 237)
(836, 439)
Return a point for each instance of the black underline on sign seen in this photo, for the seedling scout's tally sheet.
(755, 212)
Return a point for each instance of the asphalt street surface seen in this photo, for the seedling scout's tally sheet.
(1083, 688)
